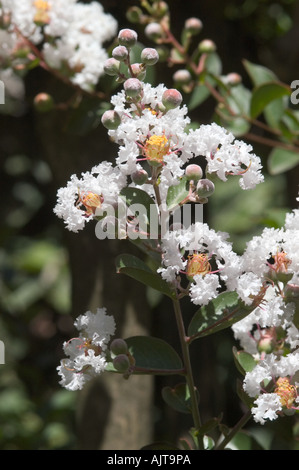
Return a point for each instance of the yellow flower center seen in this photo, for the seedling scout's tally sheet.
(41, 16)
(198, 263)
(156, 147)
(91, 202)
(286, 392)
(281, 262)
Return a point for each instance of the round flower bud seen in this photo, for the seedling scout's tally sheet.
(132, 87)
(153, 31)
(120, 53)
(121, 363)
(233, 79)
(118, 346)
(127, 37)
(111, 119)
(111, 66)
(266, 345)
(139, 176)
(139, 71)
(134, 14)
(207, 45)
(171, 98)
(160, 9)
(193, 25)
(193, 172)
(43, 102)
(182, 77)
(205, 188)
(149, 56)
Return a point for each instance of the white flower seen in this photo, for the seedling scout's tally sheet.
(86, 353)
(73, 203)
(189, 250)
(267, 406)
(226, 156)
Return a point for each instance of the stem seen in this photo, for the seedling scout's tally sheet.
(188, 368)
(234, 430)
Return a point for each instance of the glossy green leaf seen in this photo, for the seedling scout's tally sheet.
(138, 270)
(152, 356)
(176, 194)
(220, 313)
(178, 398)
(281, 160)
(244, 361)
(266, 93)
(258, 73)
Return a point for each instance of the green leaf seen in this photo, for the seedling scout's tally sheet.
(266, 93)
(178, 398)
(176, 194)
(198, 96)
(152, 356)
(220, 313)
(244, 361)
(138, 270)
(281, 160)
(258, 73)
(142, 204)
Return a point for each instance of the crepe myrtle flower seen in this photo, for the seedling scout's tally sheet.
(86, 354)
(190, 252)
(272, 383)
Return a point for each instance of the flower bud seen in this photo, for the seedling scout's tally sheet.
(127, 37)
(207, 46)
(233, 79)
(121, 363)
(160, 9)
(120, 53)
(139, 71)
(182, 77)
(43, 102)
(111, 66)
(118, 346)
(205, 188)
(153, 31)
(193, 172)
(133, 87)
(139, 176)
(193, 25)
(171, 98)
(134, 14)
(111, 119)
(266, 345)
(149, 56)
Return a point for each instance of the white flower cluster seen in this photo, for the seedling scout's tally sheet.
(86, 353)
(190, 252)
(270, 332)
(70, 34)
(78, 202)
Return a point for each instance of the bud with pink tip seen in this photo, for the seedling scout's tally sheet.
(111, 66)
(193, 172)
(171, 98)
(139, 176)
(127, 37)
(193, 25)
(133, 87)
(120, 53)
(149, 56)
(205, 188)
(111, 119)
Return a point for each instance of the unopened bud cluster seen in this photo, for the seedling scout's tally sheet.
(122, 361)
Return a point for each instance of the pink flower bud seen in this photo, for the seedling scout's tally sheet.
(193, 172)
(127, 37)
(111, 119)
(133, 87)
(111, 66)
(171, 98)
(193, 25)
(120, 53)
(205, 188)
(43, 102)
(118, 346)
(149, 56)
